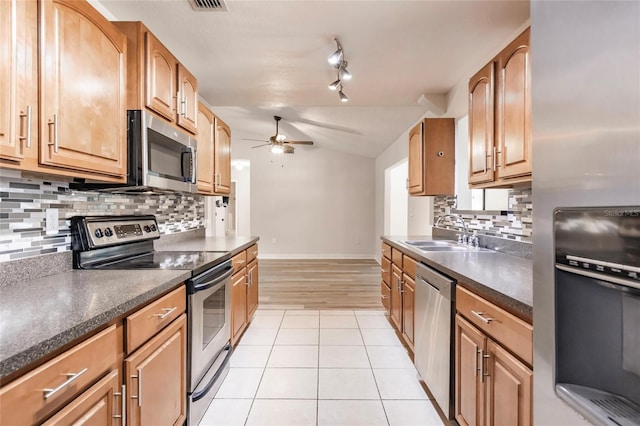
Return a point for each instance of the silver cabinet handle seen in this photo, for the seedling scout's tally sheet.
(71, 377)
(123, 405)
(27, 136)
(139, 396)
(167, 312)
(383, 296)
(184, 107)
(482, 318)
(494, 158)
(54, 123)
(485, 370)
(253, 253)
(240, 261)
(481, 353)
(384, 271)
(485, 160)
(475, 362)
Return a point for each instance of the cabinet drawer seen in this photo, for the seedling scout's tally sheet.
(252, 253)
(386, 251)
(510, 331)
(385, 295)
(409, 266)
(239, 261)
(396, 257)
(386, 270)
(45, 389)
(146, 322)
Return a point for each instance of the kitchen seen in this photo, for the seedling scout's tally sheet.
(572, 47)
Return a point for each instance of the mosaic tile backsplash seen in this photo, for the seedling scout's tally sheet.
(516, 225)
(24, 199)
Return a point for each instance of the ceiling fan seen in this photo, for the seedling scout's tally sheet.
(278, 142)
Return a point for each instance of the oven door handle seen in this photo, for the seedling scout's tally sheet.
(214, 282)
(199, 395)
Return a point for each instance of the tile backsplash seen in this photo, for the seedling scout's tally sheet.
(516, 224)
(24, 199)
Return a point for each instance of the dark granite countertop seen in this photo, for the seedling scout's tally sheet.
(40, 316)
(226, 244)
(503, 279)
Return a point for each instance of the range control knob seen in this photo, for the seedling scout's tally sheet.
(98, 233)
(108, 232)
(153, 227)
(147, 228)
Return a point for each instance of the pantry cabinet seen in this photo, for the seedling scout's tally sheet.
(432, 157)
(65, 113)
(157, 81)
(493, 358)
(500, 118)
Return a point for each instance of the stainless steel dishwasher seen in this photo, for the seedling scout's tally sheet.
(435, 294)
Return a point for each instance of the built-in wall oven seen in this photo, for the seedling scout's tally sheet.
(126, 242)
(597, 294)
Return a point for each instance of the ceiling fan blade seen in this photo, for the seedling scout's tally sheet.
(264, 144)
(254, 140)
(288, 149)
(300, 142)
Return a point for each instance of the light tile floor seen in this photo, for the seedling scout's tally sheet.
(320, 368)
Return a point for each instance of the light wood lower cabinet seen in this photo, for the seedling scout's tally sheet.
(492, 385)
(244, 291)
(396, 297)
(252, 287)
(408, 308)
(101, 404)
(385, 296)
(397, 291)
(238, 305)
(155, 376)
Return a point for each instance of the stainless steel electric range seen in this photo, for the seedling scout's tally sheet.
(126, 242)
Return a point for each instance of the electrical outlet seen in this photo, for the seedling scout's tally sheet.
(51, 221)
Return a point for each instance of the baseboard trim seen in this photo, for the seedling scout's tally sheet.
(316, 256)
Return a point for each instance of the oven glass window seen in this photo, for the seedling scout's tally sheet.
(213, 314)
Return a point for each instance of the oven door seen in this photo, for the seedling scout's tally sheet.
(209, 318)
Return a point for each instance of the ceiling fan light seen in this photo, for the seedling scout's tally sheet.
(277, 149)
(280, 137)
(335, 85)
(343, 97)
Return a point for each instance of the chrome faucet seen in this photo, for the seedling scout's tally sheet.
(465, 235)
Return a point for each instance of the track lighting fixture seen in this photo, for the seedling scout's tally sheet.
(337, 61)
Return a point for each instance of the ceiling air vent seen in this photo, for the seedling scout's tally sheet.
(208, 5)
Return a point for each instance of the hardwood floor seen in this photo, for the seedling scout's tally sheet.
(319, 284)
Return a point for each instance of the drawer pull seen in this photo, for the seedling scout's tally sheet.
(383, 296)
(167, 312)
(253, 253)
(71, 377)
(240, 261)
(481, 316)
(385, 271)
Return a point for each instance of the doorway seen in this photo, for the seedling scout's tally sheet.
(396, 199)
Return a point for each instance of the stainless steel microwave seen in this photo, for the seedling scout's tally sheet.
(160, 158)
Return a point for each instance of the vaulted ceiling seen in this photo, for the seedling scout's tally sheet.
(265, 58)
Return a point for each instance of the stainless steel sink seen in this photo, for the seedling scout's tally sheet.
(445, 246)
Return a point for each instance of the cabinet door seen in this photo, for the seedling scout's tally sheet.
(156, 378)
(513, 116)
(238, 305)
(508, 390)
(188, 94)
(408, 298)
(101, 404)
(386, 270)
(252, 289)
(9, 145)
(82, 89)
(161, 79)
(469, 395)
(396, 297)
(416, 160)
(206, 121)
(481, 158)
(222, 153)
(385, 296)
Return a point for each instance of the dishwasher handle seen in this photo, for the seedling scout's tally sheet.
(441, 283)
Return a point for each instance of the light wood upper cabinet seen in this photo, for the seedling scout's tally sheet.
(155, 376)
(161, 78)
(188, 97)
(513, 118)
(205, 156)
(222, 162)
(82, 89)
(9, 144)
(500, 119)
(481, 125)
(432, 157)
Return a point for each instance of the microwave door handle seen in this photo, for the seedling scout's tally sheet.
(194, 166)
(189, 151)
(213, 282)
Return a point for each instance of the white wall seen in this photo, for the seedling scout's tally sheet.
(316, 203)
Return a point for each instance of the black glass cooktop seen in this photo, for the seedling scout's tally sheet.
(195, 261)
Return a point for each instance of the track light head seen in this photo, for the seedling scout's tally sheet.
(343, 97)
(345, 74)
(335, 85)
(336, 57)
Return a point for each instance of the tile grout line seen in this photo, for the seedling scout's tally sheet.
(373, 374)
